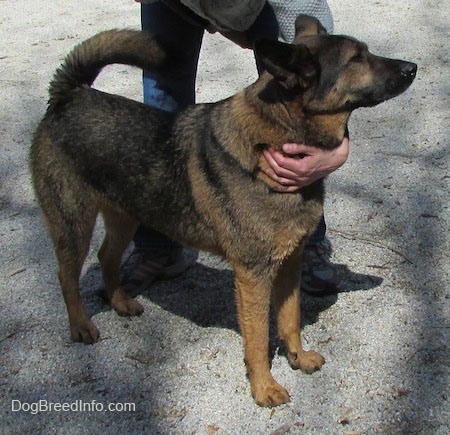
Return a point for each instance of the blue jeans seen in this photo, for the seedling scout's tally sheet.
(176, 91)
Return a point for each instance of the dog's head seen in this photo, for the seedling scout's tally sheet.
(330, 74)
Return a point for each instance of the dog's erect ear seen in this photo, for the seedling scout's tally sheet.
(291, 65)
(307, 26)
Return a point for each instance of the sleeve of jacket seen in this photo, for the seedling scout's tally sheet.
(226, 15)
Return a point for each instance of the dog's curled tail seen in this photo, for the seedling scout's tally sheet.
(86, 60)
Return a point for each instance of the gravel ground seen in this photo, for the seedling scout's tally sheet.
(180, 365)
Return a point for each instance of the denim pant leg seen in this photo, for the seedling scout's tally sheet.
(171, 92)
(264, 27)
(319, 235)
(176, 90)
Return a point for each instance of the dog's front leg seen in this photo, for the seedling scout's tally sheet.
(286, 298)
(253, 303)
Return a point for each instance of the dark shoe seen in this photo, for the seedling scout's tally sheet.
(144, 266)
(319, 276)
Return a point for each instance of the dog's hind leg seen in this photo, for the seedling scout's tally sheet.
(71, 222)
(120, 229)
(286, 298)
(70, 210)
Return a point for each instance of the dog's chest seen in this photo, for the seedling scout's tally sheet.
(295, 229)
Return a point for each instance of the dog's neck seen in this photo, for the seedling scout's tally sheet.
(253, 125)
(325, 131)
(288, 109)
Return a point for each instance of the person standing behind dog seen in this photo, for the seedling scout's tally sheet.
(181, 25)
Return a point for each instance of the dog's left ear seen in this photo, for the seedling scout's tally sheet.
(291, 65)
(306, 25)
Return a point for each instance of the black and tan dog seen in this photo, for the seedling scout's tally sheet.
(196, 176)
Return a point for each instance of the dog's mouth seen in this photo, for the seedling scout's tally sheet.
(393, 84)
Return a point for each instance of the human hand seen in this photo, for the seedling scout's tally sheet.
(299, 165)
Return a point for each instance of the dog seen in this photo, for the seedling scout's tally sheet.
(197, 175)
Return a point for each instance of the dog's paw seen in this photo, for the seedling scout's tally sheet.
(307, 361)
(271, 395)
(86, 332)
(124, 305)
(127, 307)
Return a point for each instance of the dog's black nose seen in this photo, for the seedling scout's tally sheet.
(409, 69)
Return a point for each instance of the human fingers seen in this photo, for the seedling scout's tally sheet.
(276, 171)
(292, 168)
